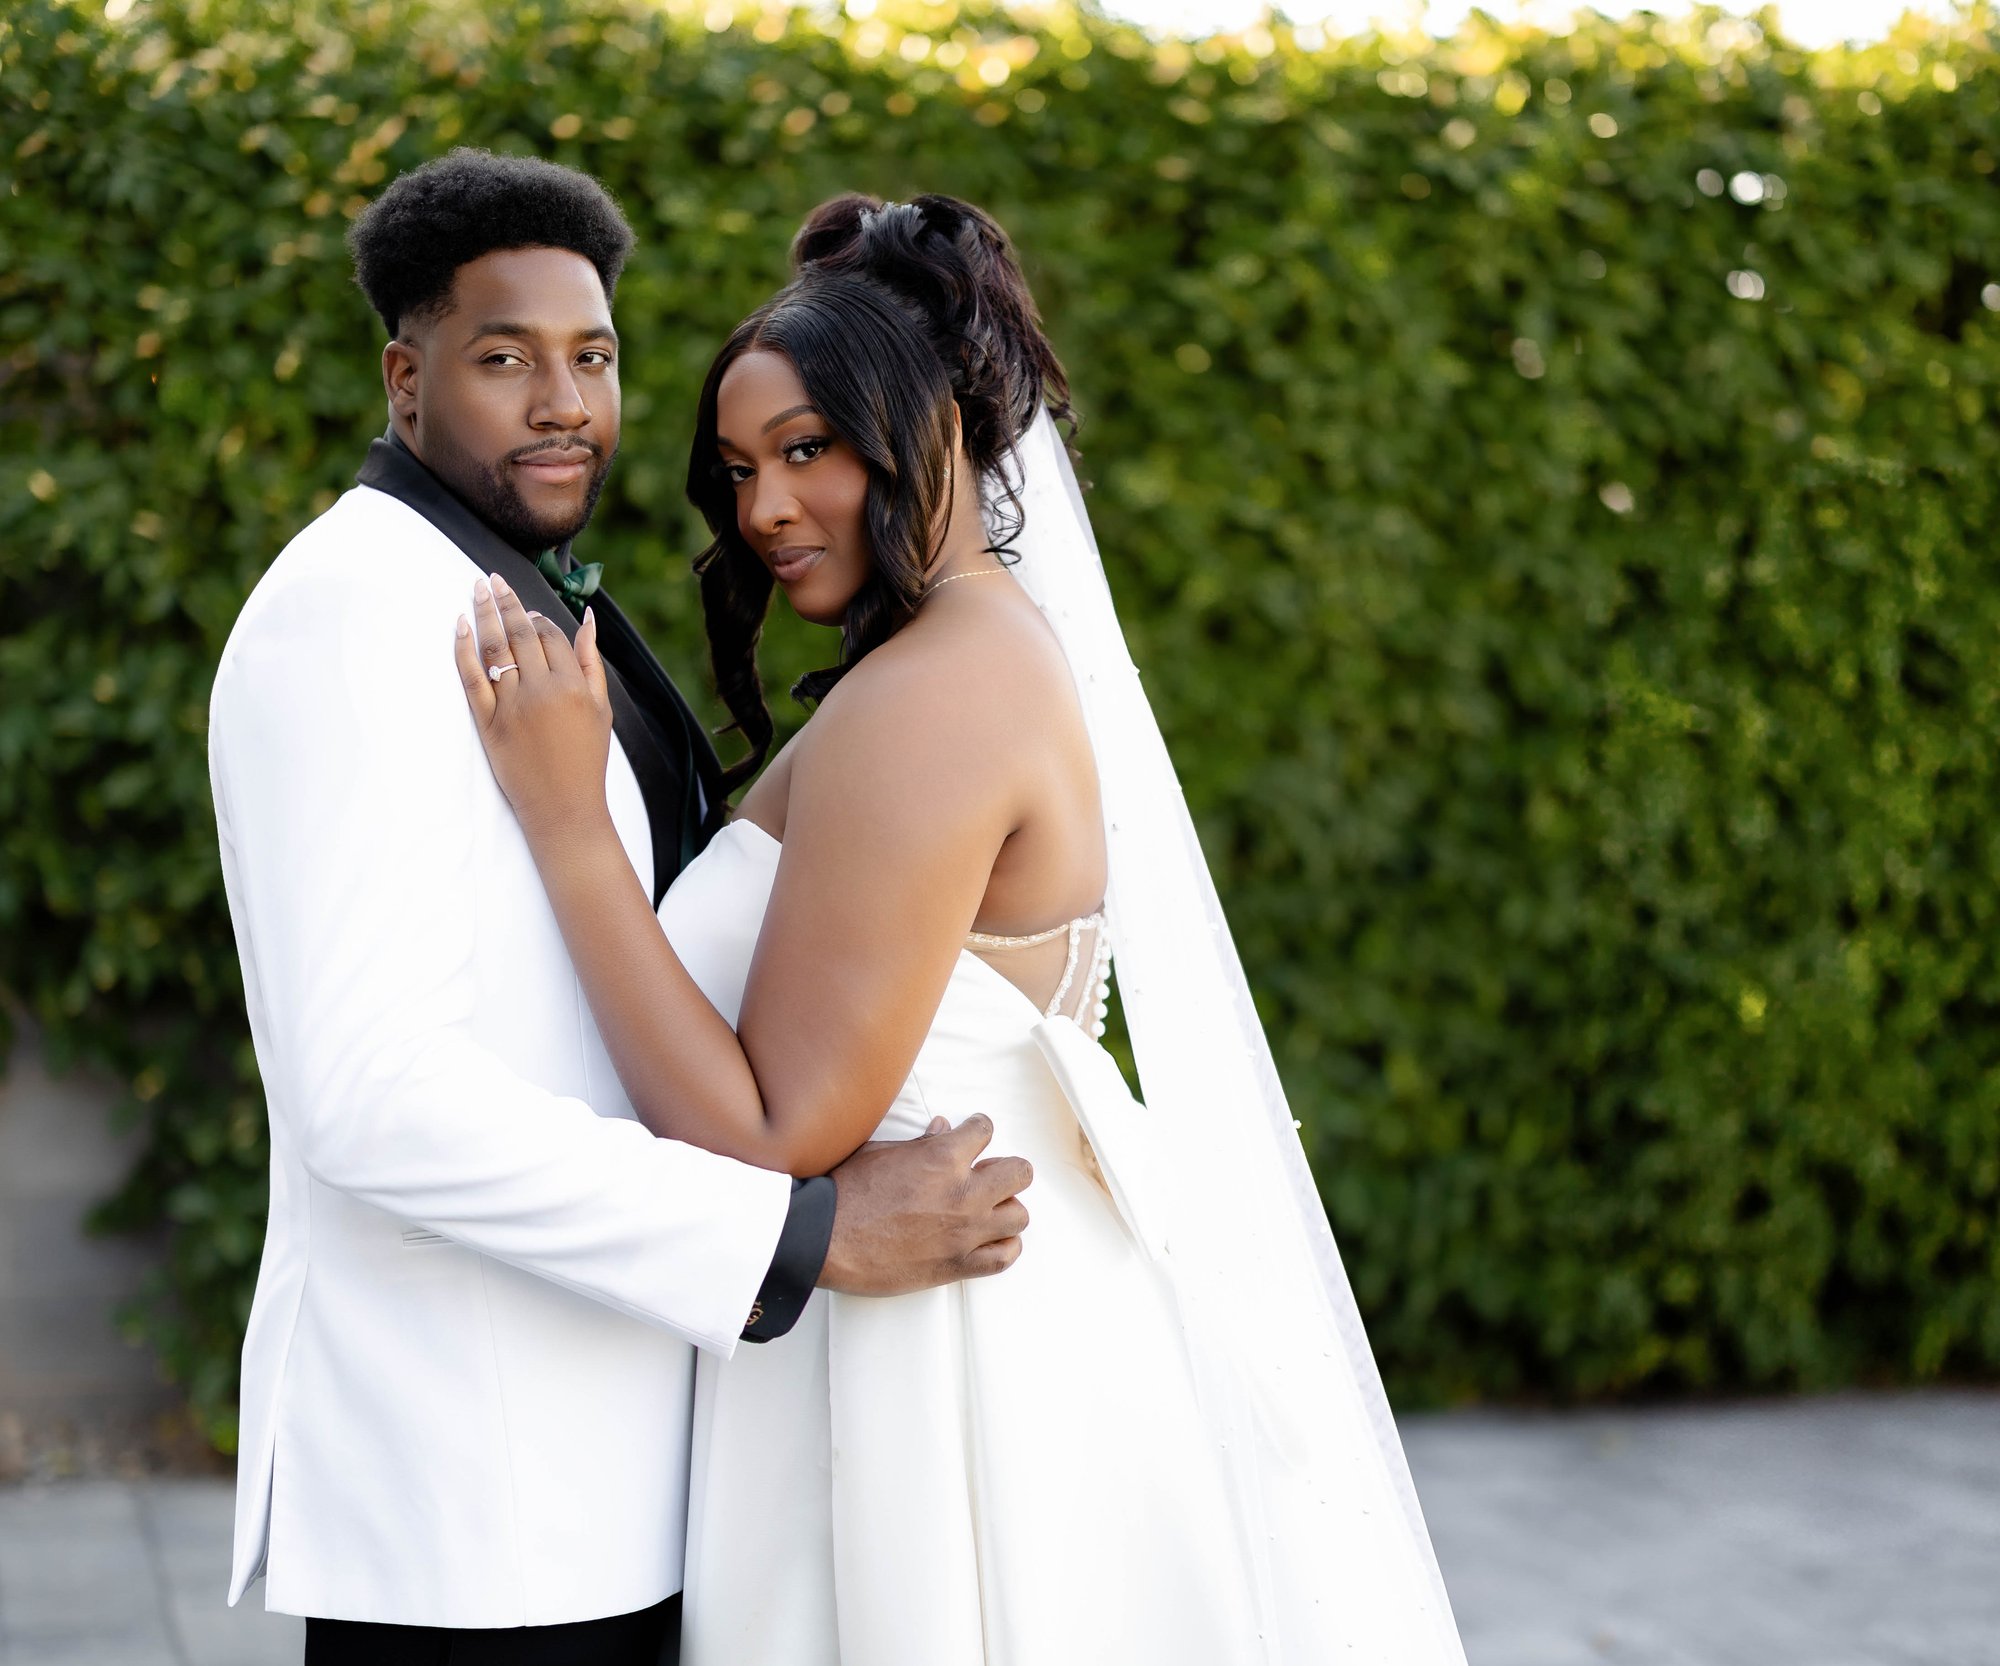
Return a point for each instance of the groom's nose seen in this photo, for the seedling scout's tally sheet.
(559, 401)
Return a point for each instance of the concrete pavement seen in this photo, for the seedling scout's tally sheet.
(128, 1573)
(1852, 1531)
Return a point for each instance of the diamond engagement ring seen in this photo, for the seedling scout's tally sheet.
(495, 672)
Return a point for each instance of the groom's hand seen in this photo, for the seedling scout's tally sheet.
(909, 1214)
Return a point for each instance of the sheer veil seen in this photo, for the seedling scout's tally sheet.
(1326, 1512)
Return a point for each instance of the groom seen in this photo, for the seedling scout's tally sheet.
(468, 1378)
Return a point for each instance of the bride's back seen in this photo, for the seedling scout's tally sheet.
(980, 668)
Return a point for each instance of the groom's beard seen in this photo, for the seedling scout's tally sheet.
(490, 493)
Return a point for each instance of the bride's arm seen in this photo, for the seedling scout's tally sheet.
(891, 829)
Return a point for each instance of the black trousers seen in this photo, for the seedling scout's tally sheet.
(651, 1637)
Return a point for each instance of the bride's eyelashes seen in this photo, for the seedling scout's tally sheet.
(805, 449)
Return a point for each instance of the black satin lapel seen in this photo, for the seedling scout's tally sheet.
(627, 648)
(663, 785)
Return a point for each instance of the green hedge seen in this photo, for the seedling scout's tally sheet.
(1568, 586)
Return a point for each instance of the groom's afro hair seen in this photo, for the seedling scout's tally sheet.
(410, 242)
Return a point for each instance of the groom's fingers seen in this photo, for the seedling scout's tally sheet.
(969, 1138)
(992, 1258)
(990, 1180)
(993, 1206)
(1010, 1220)
(912, 1214)
(996, 1179)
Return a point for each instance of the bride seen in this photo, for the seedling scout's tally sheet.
(1159, 1436)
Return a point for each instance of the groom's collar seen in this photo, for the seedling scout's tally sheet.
(403, 475)
(392, 467)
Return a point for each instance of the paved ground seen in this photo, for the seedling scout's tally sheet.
(1845, 1532)
(128, 1573)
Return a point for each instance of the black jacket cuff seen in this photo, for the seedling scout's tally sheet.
(797, 1261)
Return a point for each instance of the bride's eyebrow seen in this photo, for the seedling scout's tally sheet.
(723, 441)
(786, 416)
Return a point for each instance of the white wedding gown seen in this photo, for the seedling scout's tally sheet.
(1013, 1471)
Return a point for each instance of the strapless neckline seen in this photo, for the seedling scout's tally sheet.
(988, 938)
(772, 845)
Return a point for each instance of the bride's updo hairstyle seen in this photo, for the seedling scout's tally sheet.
(898, 312)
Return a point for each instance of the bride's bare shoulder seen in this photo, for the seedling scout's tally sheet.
(957, 715)
(980, 670)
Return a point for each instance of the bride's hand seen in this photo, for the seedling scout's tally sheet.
(545, 723)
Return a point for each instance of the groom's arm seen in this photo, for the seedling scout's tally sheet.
(897, 1216)
(352, 798)
(796, 1263)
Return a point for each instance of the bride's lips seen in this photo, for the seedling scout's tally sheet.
(555, 468)
(794, 561)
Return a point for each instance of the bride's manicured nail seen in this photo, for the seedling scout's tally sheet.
(481, 592)
(500, 586)
(589, 618)
(464, 626)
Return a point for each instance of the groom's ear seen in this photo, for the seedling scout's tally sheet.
(402, 373)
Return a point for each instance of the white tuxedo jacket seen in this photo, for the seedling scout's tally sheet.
(467, 1379)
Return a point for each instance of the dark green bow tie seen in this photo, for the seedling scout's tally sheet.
(576, 586)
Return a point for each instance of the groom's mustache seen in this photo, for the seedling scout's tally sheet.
(527, 451)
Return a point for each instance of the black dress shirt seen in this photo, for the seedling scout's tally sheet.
(679, 779)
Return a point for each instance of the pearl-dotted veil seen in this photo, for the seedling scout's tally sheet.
(1327, 1516)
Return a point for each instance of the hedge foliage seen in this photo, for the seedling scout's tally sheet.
(1549, 480)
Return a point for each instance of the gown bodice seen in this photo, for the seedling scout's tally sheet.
(980, 1051)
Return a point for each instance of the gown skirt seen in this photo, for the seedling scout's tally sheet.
(1011, 1471)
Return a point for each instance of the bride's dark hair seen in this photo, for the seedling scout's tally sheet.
(898, 312)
